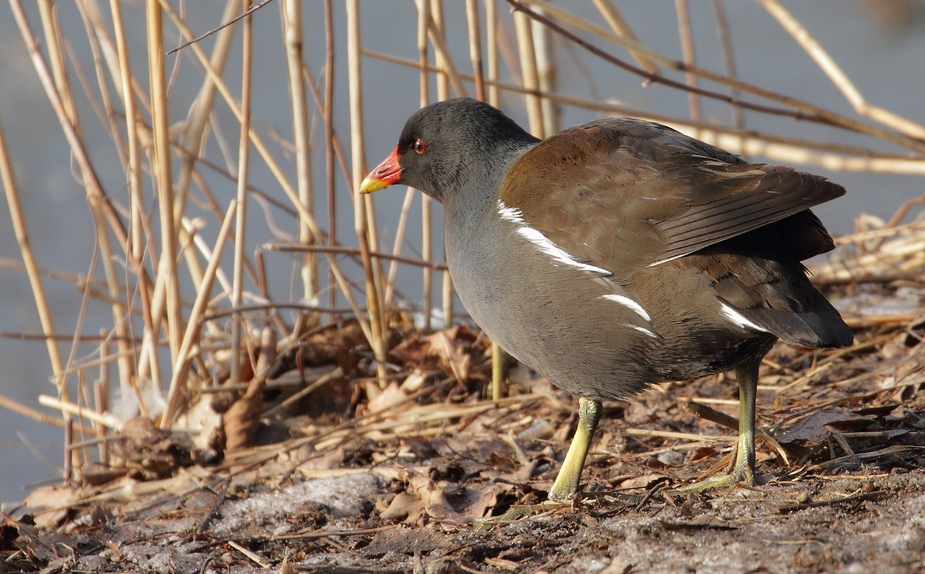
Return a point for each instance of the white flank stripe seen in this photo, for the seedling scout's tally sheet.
(510, 213)
(535, 237)
(737, 318)
(629, 304)
(641, 330)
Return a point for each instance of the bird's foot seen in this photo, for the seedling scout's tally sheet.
(739, 475)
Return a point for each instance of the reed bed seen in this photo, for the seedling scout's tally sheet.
(184, 241)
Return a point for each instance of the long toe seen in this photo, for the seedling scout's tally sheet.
(718, 481)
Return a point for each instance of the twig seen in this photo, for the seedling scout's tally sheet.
(215, 506)
(241, 16)
(822, 503)
(353, 251)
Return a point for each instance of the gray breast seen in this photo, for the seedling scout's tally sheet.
(563, 318)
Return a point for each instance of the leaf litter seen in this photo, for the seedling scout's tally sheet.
(319, 465)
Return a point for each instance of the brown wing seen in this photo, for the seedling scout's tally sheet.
(642, 194)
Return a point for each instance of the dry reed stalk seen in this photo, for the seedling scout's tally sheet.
(69, 408)
(531, 81)
(491, 50)
(178, 379)
(443, 58)
(427, 298)
(124, 86)
(101, 397)
(330, 142)
(355, 252)
(103, 52)
(475, 54)
(40, 417)
(784, 149)
(400, 230)
(475, 47)
(338, 150)
(841, 81)
(301, 135)
(193, 140)
(880, 233)
(546, 76)
(136, 209)
(363, 212)
(206, 253)
(52, 30)
(800, 109)
(168, 279)
(725, 40)
(621, 28)
(119, 311)
(20, 229)
(680, 435)
(237, 282)
(447, 76)
(687, 54)
(269, 162)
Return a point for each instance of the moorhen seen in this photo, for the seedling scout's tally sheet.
(621, 253)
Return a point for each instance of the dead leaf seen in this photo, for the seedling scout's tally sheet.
(30, 542)
(51, 497)
(645, 481)
(453, 358)
(812, 428)
(405, 506)
(480, 500)
(434, 499)
(243, 417)
(388, 398)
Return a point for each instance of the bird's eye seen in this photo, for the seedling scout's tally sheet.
(419, 146)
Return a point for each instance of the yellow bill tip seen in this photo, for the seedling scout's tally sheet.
(371, 184)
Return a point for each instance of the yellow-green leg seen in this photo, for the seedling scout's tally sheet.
(589, 413)
(744, 469)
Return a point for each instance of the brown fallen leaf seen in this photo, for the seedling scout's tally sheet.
(405, 506)
(812, 428)
(242, 418)
(451, 352)
(645, 481)
(388, 398)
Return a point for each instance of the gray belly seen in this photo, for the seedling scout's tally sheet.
(584, 332)
(554, 319)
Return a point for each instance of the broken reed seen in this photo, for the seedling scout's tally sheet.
(163, 167)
